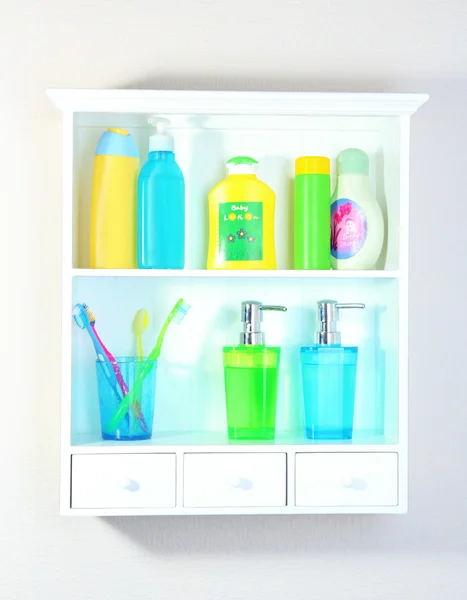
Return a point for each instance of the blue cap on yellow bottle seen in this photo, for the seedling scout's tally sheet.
(117, 142)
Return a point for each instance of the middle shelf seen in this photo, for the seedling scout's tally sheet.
(218, 441)
(190, 395)
(253, 274)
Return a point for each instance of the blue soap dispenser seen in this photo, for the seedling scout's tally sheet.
(329, 373)
(161, 204)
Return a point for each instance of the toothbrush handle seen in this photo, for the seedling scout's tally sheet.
(102, 356)
(113, 362)
(121, 381)
(126, 402)
(140, 347)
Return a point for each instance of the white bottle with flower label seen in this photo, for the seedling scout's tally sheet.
(357, 225)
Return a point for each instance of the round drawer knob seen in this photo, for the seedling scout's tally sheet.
(347, 481)
(129, 484)
(240, 483)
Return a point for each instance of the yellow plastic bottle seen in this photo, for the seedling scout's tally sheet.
(114, 202)
(241, 220)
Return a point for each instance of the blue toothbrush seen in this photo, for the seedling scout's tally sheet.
(81, 318)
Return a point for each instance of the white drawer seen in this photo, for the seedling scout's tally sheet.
(122, 480)
(346, 479)
(235, 479)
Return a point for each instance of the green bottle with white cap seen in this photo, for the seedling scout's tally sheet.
(357, 225)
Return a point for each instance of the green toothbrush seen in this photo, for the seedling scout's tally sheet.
(177, 315)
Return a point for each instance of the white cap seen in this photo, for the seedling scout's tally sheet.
(160, 141)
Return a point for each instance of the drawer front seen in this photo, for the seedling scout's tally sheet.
(237, 479)
(350, 479)
(123, 480)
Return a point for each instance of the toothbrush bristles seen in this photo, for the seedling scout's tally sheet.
(77, 316)
(92, 318)
(181, 312)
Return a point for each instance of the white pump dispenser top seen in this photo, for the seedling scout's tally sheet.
(160, 141)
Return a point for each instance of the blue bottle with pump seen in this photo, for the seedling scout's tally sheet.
(329, 373)
(161, 204)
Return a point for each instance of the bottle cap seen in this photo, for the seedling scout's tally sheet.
(160, 141)
(352, 162)
(117, 130)
(117, 142)
(312, 165)
(241, 165)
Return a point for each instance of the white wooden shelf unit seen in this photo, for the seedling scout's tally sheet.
(190, 467)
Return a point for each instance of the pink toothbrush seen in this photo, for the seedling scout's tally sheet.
(116, 368)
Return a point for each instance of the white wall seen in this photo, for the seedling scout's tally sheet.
(337, 45)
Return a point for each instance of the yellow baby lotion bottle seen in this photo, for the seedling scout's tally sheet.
(241, 220)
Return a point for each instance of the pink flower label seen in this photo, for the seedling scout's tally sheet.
(348, 228)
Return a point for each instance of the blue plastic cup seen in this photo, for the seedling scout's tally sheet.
(137, 422)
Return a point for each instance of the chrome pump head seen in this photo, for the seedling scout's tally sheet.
(252, 317)
(327, 317)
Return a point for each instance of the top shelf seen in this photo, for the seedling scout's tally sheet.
(277, 274)
(236, 103)
(211, 127)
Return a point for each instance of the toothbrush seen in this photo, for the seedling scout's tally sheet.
(139, 325)
(81, 317)
(118, 373)
(177, 315)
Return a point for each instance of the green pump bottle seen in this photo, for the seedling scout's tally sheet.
(251, 372)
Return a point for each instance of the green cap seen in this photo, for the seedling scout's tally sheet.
(241, 165)
(352, 162)
(242, 160)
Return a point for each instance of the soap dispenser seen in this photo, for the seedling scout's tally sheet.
(161, 204)
(251, 371)
(329, 373)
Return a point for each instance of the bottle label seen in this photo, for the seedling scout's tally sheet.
(348, 228)
(241, 231)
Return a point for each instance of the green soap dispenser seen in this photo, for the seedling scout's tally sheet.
(251, 372)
